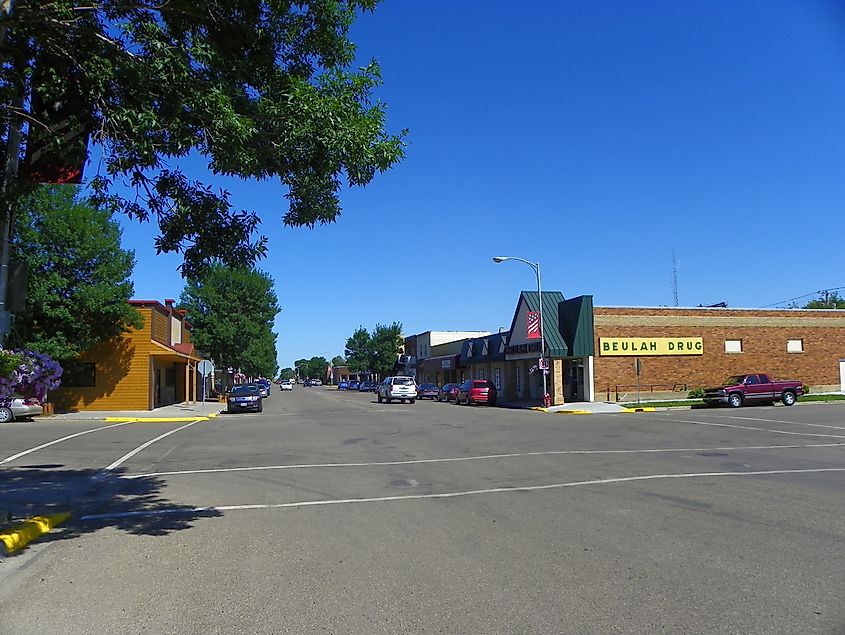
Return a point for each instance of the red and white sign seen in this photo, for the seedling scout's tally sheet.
(532, 325)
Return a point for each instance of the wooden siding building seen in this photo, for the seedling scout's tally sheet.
(155, 365)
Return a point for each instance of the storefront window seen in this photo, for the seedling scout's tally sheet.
(497, 378)
(518, 377)
(733, 346)
(481, 373)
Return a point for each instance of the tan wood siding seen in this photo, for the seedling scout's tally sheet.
(122, 374)
(160, 327)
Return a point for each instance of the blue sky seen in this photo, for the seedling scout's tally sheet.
(593, 137)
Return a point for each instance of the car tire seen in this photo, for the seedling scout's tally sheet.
(788, 398)
(412, 401)
(388, 399)
(260, 408)
(735, 400)
(6, 415)
(378, 396)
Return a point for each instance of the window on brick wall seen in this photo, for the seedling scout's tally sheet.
(794, 346)
(733, 346)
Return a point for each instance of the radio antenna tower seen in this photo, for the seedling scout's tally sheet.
(674, 278)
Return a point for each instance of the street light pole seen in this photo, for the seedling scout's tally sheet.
(536, 267)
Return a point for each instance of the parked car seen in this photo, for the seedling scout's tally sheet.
(753, 388)
(427, 391)
(316, 382)
(400, 387)
(245, 397)
(447, 392)
(19, 408)
(475, 391)
(367, 386)
(286, 384)
(352, 385)
(264, 384)
(342, 385)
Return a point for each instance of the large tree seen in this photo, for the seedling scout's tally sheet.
(376, 352)
(79, 277)
(314, 368)
(232, 313)
(259, 89)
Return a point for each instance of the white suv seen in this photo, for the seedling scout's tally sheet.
(401, 388)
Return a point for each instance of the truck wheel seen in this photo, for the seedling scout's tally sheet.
(788, 398)
(735, 400)
(412, 401)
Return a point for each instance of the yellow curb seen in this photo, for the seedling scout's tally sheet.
(573, 412)
(19, 536)
(153, 419)
(648, 409)
(539, 409)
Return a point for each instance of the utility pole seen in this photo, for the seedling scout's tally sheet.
(10, 175)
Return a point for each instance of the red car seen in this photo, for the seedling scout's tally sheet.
(447, 392)
(476, 391)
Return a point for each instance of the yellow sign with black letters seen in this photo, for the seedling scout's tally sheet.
(621, 346)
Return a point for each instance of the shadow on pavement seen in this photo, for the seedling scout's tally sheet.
(135, 506)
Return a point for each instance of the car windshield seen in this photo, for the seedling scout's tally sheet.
(734, 379)
(428, 387)
(246, 389)
(403, 381)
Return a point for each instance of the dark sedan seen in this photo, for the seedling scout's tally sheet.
(353, 384)
(447, 392)
(427, 391)
(367, 386)
(245, 398)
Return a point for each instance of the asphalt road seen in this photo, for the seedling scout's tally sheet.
(331, 513)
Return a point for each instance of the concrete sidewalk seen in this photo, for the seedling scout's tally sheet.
(174, 412)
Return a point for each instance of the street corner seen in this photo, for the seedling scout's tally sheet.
(18, 536)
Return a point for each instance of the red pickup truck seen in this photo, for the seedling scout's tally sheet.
(753, 388)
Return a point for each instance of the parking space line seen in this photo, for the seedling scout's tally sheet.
(143, 446)
(471, 458)
(728, 425)
(493, 490)
(70, 436)
(793, 423)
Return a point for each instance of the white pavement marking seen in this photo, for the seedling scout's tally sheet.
(495, 490)
(473, 458)
(129, 455)
(727, 425)
(793, 423)
(70, 436)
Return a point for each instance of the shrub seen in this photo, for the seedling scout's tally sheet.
(696, 393)
(806, 389)
(28, 373)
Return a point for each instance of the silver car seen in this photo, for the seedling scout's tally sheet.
(19, 408)
(400, 387)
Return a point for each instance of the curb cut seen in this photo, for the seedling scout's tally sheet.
(19, 536)
(646, 409)
(573, 412)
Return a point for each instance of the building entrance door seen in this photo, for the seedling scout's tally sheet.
(573, 389)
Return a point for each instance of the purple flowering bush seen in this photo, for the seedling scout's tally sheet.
(28, 373)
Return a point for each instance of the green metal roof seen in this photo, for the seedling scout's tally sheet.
(551, 327)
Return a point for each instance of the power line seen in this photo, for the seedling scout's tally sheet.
(806, 295)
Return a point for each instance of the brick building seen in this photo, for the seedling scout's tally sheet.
(614, 353)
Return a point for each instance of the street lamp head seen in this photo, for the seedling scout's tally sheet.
(499, 258)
